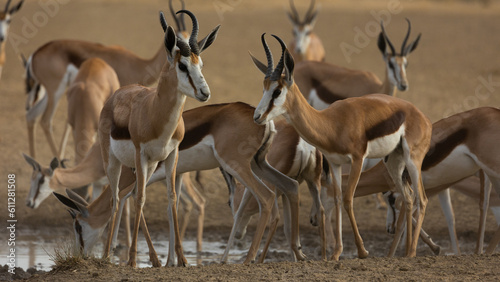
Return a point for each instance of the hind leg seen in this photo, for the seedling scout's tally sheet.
(395, 166)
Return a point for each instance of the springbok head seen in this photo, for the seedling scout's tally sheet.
(302, 29)
(277, 83)
(40, 180)
(185, 57)
(396, 63)
(5, 18)
(88, 229)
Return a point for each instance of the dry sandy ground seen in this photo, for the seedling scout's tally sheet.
(458, 50)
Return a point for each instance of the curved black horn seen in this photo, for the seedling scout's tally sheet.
(403, 47)
(294, 12)
(172, 12)
(163, 22)
(7, 5)
(387, 38)
(281, 64)
(193, 40)
(309, 12)
(269, 56)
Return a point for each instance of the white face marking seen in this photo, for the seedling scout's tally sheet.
(397, 72)
(39, 190)
(90, 236)
(277, 104)
(383, 146)
(4, 27)
(302, 38)
(186, 70)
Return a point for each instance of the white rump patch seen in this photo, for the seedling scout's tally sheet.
(383, 146)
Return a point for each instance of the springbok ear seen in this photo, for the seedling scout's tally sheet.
(260, 65)
(75, 197)
(72, 204)
(170, 42)
(412, 46)
(381, 44)
(54, 164)
(289, 66)
(32, 162)
(209, 39)
(16, 8)
(163, 22)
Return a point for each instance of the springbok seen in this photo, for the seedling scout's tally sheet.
(350, 130)
(461, 146)
(5, 19)
(93, 85)
(324, 83)
(306, 45)
(140, 127)
(54, 65)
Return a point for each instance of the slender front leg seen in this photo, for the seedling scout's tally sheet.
(421, 204)
(356, 167)
(113, 170)
(314, 190)
(170, 165)
(143, 173)
(336, 171)
(31, 137)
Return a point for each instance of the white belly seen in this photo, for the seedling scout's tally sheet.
(124, 151)
(457, 165)
(383, 146)
(199, 157)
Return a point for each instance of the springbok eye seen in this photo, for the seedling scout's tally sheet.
(308, 32)
(41, 181)
(276, 93)
(391, 65)
(182, 67)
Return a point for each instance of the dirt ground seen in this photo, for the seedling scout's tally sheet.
(458, 53)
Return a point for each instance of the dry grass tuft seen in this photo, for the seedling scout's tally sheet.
(68, 257)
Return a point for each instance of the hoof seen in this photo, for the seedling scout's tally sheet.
(131, 263)
(363, 254)
(437, 251)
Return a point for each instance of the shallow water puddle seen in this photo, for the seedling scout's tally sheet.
(34, 249)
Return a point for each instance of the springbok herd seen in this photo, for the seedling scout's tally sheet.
(128, 136)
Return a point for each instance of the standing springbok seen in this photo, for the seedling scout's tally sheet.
(5, 18)
(461, 146)
(53, 66)
(306, 45)
(373, 126)
(323, 83)
(140, 126)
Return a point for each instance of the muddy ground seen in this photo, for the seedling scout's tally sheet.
(458, 52)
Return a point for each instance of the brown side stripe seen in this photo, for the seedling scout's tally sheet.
(194, 136)
(324, 93)
(441, 150)
(386, 127)
(119, 133)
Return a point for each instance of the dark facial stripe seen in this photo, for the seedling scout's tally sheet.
(324, 93)
(386, 127)
(119, 133)
(441, 150)
(194, 136)
(78, 229)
